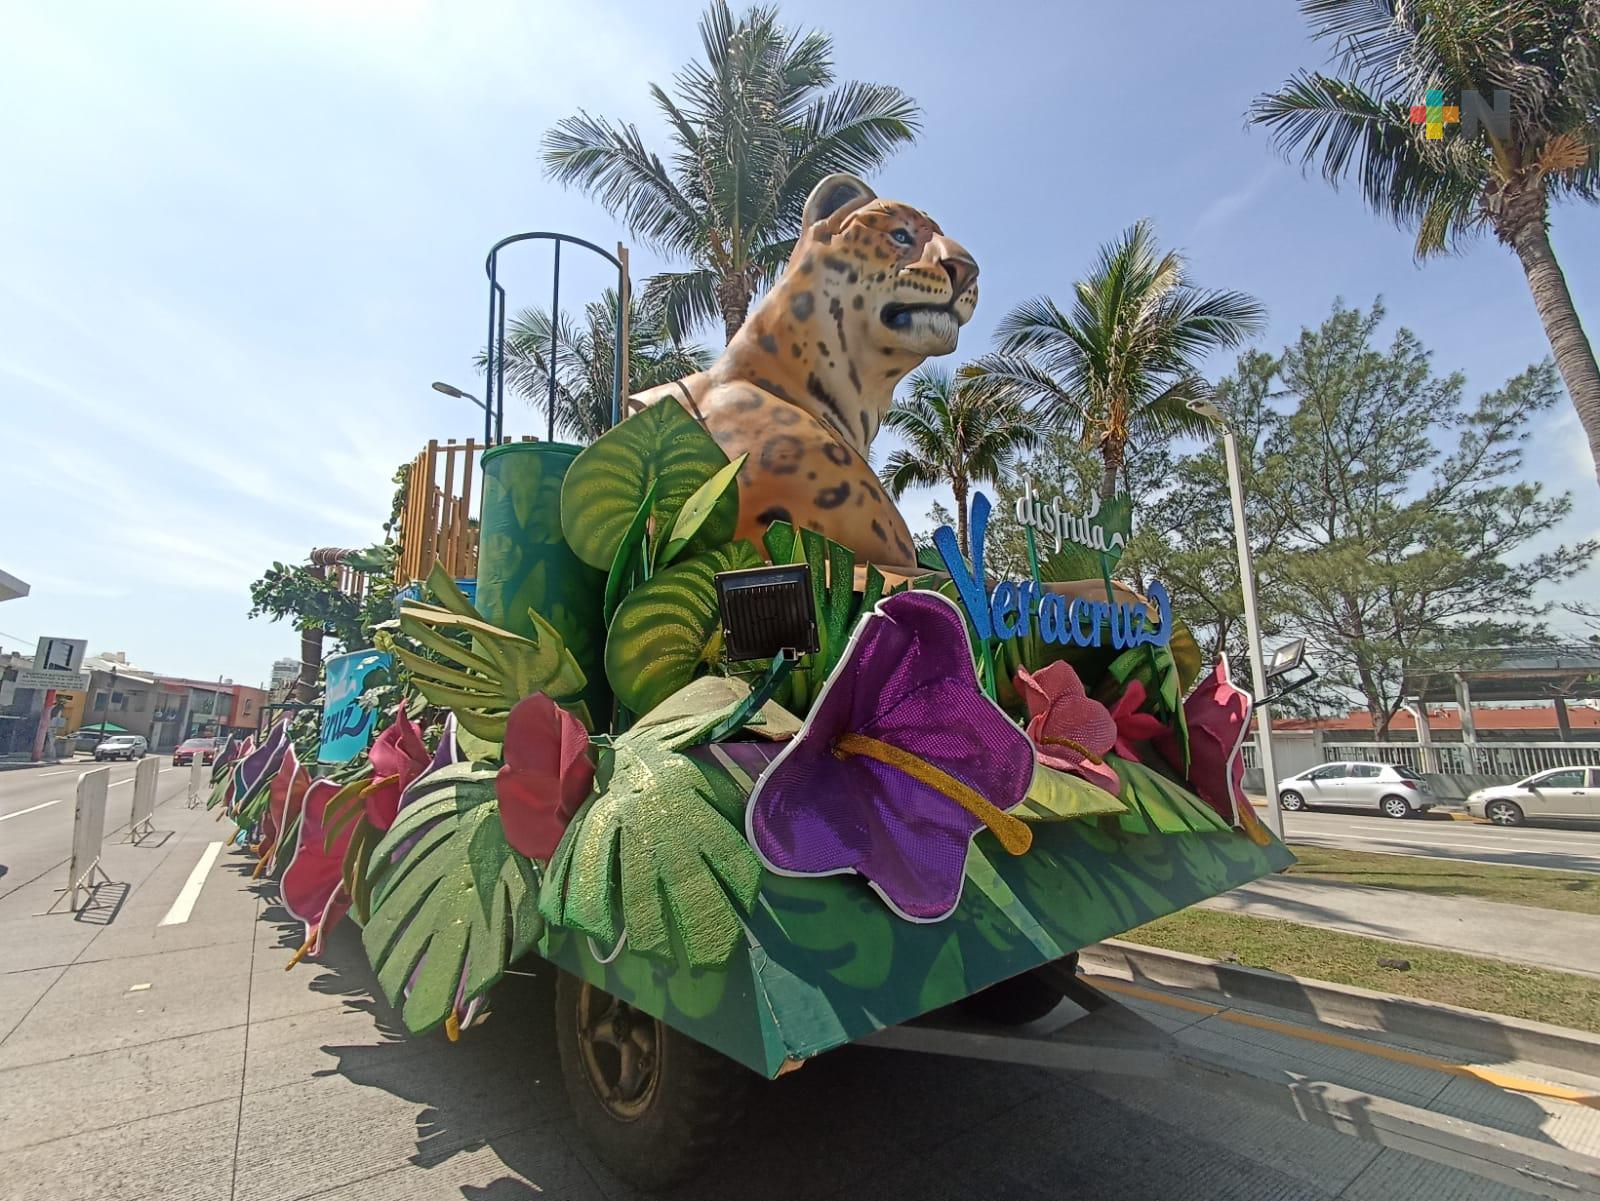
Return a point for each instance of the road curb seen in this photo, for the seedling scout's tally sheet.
(1492, 1035)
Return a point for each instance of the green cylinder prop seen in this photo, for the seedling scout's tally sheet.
(524, 562)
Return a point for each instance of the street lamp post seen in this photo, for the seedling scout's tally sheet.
(1252, 624)
(452, 390)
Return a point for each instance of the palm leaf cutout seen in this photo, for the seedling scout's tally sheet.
(659, 853)
(707, 504)
(481, 684)
(660, 449)
(1157, 805)
(455, 908)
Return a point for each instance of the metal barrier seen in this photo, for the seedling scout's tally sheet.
(141, 814)
(88, 832)
(1513, 759)
(199, 777)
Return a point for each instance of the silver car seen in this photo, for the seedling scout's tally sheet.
(1394, 791)
(1561, 792)
(121, 746)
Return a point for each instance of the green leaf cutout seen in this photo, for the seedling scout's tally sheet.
(660, 448)
(659, 853)
(455, 909)
(481, 684)
(1057, 796)
(668, 629)
(707, 502)
(625, 564)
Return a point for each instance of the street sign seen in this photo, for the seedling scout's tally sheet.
(61, 681)
(60, 654)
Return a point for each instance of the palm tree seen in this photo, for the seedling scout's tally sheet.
(1536, 61)
(959, 431)
(754, 128)
(1122, 364)
(584, 360)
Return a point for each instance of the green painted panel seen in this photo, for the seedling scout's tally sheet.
(525, 563)
(827, 963)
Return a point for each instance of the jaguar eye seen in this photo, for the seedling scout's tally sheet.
(903, 236)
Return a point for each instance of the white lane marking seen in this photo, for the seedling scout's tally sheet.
(44, 775)
(190, 893)
(1452, 834)
(34, 809)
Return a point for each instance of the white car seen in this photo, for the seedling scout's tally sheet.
(1561, 793)
(1393, 791)
(121, 746)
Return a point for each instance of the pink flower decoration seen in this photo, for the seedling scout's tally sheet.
(1132, 725)
(546, 777)
(398, 756)
(1218, 717)
(313, 885)
(1070, 730)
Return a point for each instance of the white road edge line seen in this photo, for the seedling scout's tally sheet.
(34, 809)
(190, 893)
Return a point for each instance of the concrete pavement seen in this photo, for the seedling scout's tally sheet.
(1569, 942)
(1568, 848)
(181, 1061)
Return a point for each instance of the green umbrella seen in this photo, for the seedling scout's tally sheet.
(105, 727)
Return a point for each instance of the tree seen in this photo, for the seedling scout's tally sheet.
(1537, 61)
(585, 360)
(1387, 514)
(961, 433)
(313, 599)
(754, 129)
(1122, 363)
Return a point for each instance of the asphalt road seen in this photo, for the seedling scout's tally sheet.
(36, 806)
(1569, 848)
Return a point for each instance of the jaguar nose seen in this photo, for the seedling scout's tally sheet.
(960, 266)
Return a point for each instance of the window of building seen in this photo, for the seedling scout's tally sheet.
(140, 701)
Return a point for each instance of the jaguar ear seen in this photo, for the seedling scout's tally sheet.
(835, 196)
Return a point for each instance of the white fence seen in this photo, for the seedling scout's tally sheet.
(141, 813)
(1514, 759)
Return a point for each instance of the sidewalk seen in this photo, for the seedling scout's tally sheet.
(1569, 942)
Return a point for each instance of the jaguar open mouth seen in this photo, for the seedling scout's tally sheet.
(900, 316)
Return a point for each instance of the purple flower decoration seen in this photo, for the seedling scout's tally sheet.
(260, 763)
(901, 762)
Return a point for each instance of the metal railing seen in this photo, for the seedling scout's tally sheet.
(1515, 759)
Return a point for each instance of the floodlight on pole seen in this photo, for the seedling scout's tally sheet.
(1247, 586)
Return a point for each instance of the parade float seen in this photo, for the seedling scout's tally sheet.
(708, 737)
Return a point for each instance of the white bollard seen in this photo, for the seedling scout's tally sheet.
(198, 778)
(141, 815)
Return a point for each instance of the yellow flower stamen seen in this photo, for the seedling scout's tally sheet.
(1053, 740)
(452, 1027)
(1013, 833)
(305, 949)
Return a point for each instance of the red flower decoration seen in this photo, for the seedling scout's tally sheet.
(546, 777)
(1070, 730)
(398, 756)
(1218, 717)
(1132, 725)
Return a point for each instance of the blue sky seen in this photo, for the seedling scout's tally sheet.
(238, 241)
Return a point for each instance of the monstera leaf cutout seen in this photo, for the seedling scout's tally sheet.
(456, 904)
(660, 448)
(658, 853)
(668, 629)
(480, 684)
